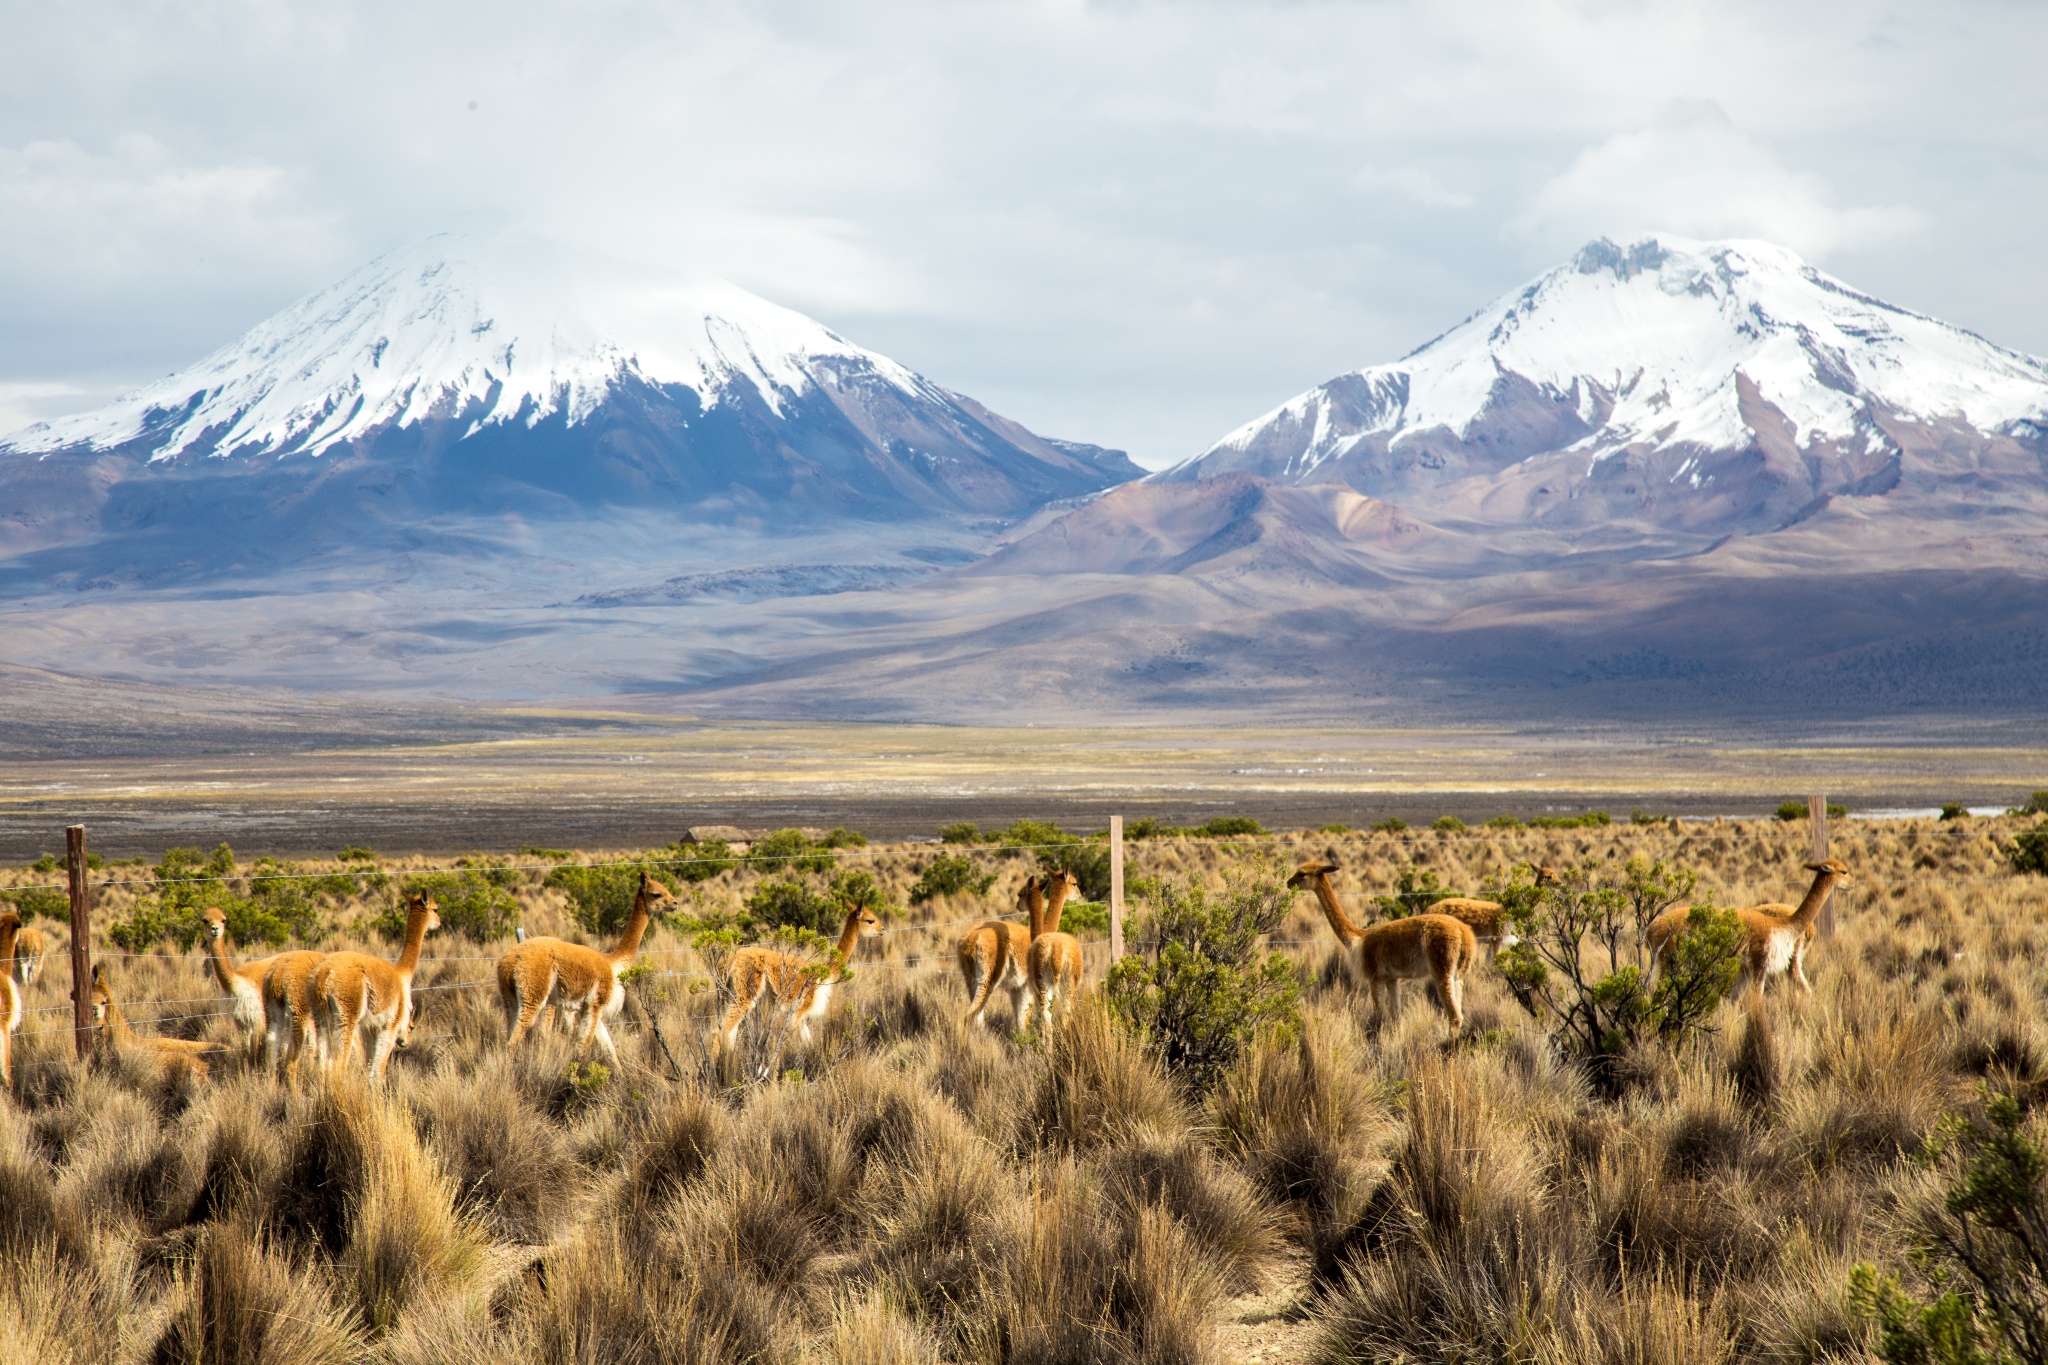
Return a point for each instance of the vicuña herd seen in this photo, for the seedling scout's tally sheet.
(350, 1005)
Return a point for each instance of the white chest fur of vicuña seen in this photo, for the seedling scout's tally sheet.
(1779, 946)
(248, 1001)
(820, 999)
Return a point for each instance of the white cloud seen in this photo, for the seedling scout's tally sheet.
(1693, 172)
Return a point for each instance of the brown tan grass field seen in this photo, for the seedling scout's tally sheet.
(911, 1189)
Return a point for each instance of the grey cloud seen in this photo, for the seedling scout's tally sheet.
(1140, 224)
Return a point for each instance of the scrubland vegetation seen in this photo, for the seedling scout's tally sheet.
(1217, 1157)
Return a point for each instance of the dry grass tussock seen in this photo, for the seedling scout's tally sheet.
(910, 1190)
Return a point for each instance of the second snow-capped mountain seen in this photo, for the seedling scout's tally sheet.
(1675, 389)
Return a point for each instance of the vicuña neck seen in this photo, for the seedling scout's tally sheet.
(1057, 904)
(223, 967)
(636, 929)
(1339, 921)
(415, 940)
(1816, 897)
(1034, 906)
(7, 942)
(849, 934)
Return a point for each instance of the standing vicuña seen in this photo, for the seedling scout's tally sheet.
(168, 1053)
(30, 947)
(1774, 935)
(1427, 946)
(799, 992)
(1487, 919)
(995, 953)
(1054, 962)
(581, 982)
(354, 994)
(242, 985)
(10, 996)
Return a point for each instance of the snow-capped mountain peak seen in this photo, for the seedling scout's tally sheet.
(1665, 344)
(497, 329)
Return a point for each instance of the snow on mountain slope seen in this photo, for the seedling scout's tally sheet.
(504, 329)
(1648, 347)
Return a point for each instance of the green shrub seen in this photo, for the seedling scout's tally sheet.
(949, 875)
(792, 903)
(1036, 833)
(1990, 1236)
(1592, 819)
(469, 902)
(1147, 828)
(49, 862)
(1198, 990)
(600, 898)
(1334, 829)
(1084, 917)
(2029, 852)
(1955, 810)
(786, 849)
(1393, 824)
(1792, 810)
(1596, 1020)
(352, 854)
(1503, 822)
(961, 832)
(553, 855)
(47, 901)
(699, 862)
(1229, 826)
(842, 837)
(279, 908)
(1450, 824)
(2037, 804)
(1415, 890)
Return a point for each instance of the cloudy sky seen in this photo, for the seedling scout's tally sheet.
(1139, 224)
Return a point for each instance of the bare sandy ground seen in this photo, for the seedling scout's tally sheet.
(500, 779)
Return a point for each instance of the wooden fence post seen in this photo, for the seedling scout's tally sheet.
(1116, 888)
(81, 940)
(1817, 813)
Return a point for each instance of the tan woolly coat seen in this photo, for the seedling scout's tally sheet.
(10, 997)
(243, 986)
(25, 964)
(996, 953)
(1775, 936)
(1421, 947)
(801, 995)
(581, 982)
(1053, 964)
(115, 1033)
(361, 1001)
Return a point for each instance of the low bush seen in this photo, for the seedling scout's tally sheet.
(1393, 824)
(1582, 966)
(1592, 819)
(1199, 990)
(2029, 852)
(1449, 824)
(601, 898)
(469, 903)
(31, 901)
(795, 903)
(1955, 810)
(949, 875)
(279, 908)
(788, 849)
(2037, 804)
(1415, 890)
(1989, 1237)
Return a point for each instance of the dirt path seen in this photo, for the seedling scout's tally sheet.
(1273, 1328)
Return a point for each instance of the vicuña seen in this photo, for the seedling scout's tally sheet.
(363, 1002)
(10, 996)
(30, 948)
(1054, 962)
(582, 983)
(1775, 935)
(243, 985)
(1420, 947)
(800, 993)
(167, 1053)
(996, 953)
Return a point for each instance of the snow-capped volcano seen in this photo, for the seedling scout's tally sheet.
(478, 383)
(498, 330)
(1722, 384)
